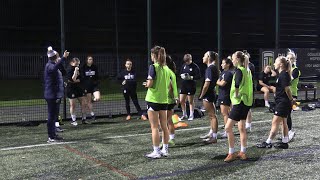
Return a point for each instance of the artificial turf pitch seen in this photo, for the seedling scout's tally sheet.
(115, 148)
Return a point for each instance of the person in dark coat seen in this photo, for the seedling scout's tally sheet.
(53, 90)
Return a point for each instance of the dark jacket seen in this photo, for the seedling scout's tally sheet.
(89, 75)
(53, 81)
(131, 79)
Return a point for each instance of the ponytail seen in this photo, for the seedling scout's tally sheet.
(214, 57)
(287, 64)
(242, 59)
(160, 54)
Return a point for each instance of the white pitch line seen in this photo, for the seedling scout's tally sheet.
(131, 135)
(35, 145)
(189, 129)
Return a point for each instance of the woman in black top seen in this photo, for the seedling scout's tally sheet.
(90, 81)
(75, 91)
(224, 83)
(264, 85)
(284, 101)
(129, 86)
(189, 73)
(208, 94)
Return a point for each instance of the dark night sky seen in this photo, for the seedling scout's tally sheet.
(180, 25)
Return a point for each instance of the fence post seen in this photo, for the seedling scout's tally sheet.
(149, 30)
(62, 38)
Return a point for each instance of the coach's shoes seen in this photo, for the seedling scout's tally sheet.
(281, 145)
(74, 123)
(291, 135)
(154, 155)
(210, 140)
(128, 118)
(264, 145)
(51, 140)
(230, 157)
(190, 118)
(242, 156)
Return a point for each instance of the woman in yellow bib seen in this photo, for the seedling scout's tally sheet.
(241, 99)
(157, 98)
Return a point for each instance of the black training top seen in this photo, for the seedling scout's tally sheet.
(130, 77)
(282, 82)
(89, 75)
(265, 78)
(193, 70)
(224, 91)
(295, 73)
(71, 83)
(212, 75)
(238, 77)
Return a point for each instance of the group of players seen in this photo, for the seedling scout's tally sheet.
(235, 98)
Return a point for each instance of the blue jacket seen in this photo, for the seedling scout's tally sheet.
(53, 81)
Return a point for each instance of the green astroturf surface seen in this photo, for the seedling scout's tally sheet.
(114, 149)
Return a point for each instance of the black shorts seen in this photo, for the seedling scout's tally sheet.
(75, 92)
(188, 88)
(92, 89)
(282, 108)
(239, 112)
(156, 106)
(210, 97)
(224, 101)
(170, 106)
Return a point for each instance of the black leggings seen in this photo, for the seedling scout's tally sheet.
(289, 120)
(133, 94)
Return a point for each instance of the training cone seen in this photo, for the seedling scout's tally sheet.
(180, 124)
(175, 118)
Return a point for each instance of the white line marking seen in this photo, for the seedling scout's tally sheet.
(189, 129)
(36, 145)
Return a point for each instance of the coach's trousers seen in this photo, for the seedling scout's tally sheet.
(53, 113)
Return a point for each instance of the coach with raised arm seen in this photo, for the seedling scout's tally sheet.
(53, 90)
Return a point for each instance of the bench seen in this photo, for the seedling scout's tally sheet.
(306, 90)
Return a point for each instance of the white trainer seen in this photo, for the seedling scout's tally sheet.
(291, 135)
(206, 136)
(190, 118)
(154, 155)
(51, 140)
(183, 117)
(164, 153)
(74, 123)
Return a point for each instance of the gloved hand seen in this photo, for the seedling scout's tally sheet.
(183, 76)
(187, 76)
